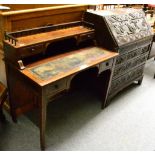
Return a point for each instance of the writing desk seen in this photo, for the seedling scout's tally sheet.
(35, 76)
(54, 75)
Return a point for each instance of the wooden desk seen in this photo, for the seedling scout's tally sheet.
(36, 83)
(3, 96)
(54, 75)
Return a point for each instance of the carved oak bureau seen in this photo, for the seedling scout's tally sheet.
(43, 63)
(126, 32)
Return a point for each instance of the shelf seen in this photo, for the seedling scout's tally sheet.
(48, 33)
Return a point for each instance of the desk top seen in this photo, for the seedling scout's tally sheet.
(52, 69)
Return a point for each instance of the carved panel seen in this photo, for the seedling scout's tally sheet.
(121, 69)
(132, 54)
(127, 48)
(132, 47)
(121, 81)
(128, 27)
(123, 58)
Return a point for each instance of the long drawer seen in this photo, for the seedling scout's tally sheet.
(133, 46)
(126, 78)
(132, 54)
(122, 69)
(56, 87)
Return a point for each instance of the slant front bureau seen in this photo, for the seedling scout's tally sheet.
(44, 63)
(127, 32)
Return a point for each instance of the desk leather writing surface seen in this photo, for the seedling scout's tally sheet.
(50, 69)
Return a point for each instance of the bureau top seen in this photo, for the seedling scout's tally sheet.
(47, 34)
(125, 26)
(54, 68)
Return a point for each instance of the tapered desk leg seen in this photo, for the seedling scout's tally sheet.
(13, 115)
(42, 122)
(2, 117)
(106, 89)
(107, 85)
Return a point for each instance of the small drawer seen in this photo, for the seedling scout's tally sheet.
(31, 50)
(105, 65)
(87, 36)
(56, 87)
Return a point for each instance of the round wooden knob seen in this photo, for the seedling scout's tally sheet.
(56, 86)
(32, 49)
(107, 63)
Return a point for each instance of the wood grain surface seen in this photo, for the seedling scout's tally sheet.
(51, 35)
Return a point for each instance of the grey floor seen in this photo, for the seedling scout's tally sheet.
(76, 122)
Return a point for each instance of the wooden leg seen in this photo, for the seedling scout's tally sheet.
(107, 82)
(13, 115)
(12, 111)
(3, 99)
(140, 81)
(106, 103)
(42, 122)
(2, 117)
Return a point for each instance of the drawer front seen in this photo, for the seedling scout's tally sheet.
(87, 36)
(123, 58)
(56, 87)
(121, 69)
(105, 65)
(126, 49)
(31, 50)
(133, 46)
(120, 82)
(144, 42)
